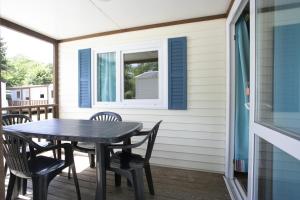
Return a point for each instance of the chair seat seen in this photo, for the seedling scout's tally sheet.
(87, 146)
(125, 160)
(41, 165)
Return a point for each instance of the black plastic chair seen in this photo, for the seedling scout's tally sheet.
(89, 148)
(131, 165)
(11, 119)
(40, 169)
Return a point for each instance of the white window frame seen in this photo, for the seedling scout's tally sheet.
(160, 103)
(278, 139)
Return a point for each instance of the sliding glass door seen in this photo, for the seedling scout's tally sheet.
(275, 103)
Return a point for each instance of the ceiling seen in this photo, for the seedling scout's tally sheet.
(61, 19)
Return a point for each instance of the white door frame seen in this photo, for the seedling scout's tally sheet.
(232, 18)
(284, 142)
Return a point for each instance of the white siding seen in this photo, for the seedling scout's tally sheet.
(4, 102)
(36, 92)
(193, 138)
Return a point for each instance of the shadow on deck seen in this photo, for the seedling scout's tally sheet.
(170, 184)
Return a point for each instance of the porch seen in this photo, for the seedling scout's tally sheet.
(170, 184)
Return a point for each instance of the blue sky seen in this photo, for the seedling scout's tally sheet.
(21, 44)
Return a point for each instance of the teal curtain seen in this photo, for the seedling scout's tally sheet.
(106, 77)
(241, 99)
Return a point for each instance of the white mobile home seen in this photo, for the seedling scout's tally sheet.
(31, 95)
(4, 102)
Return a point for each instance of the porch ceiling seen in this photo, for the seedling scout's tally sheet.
(61, 19)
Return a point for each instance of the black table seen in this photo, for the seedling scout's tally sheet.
(101, 133)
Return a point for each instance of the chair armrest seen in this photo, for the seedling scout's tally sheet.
(142, 133)
(129, 146)
(67, 148)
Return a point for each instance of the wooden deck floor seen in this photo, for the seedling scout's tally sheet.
(170, 184)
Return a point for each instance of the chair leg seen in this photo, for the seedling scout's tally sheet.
(149, 178)
(10, 188)
(40, 188)
(24, 186)
(92, 160)
(76, 181)
(118, 179)
(138, 183)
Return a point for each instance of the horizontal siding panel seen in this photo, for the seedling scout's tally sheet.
(192, 135)
(176, 119)
(189, 142)
(190, 139)
(207, 73)
(185, 156)
(210, 167)
(68, 111)
(190, 127)
(190, 149)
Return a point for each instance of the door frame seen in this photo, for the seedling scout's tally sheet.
(233, 186)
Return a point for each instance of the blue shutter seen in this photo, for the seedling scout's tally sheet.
(177, 61)
(84, 78)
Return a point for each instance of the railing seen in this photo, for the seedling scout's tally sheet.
(28, 103)
(36, 112)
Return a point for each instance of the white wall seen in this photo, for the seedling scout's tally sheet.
(50, 92)
(4, 102)
(14, 94)
(193, 138)
(35, 93)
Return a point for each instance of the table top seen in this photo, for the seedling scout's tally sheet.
(78, 130)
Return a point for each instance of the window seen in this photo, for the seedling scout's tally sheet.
(42, 96)
(141, 75)
(278, 66)
(18, 94)
(27, 98)
(131, 76)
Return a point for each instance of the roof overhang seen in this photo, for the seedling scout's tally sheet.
(67, 20)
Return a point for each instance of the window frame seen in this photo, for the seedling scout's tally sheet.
(160, 103)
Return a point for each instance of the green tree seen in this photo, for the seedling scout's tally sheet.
(3, 60)
(24, 71)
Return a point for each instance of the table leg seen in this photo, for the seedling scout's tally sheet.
(59, 149)
(100, 171)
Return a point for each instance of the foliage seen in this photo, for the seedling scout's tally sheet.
(3, 60)
(133, 70)
(24, 71)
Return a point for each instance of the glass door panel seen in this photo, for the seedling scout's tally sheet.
(278, 65)
(275, 104)
(277, 174)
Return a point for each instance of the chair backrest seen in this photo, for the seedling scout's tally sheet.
(106, 116)
(11, 119)
(16, 156)
(151, 140)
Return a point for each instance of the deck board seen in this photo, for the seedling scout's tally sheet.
(169, 183)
